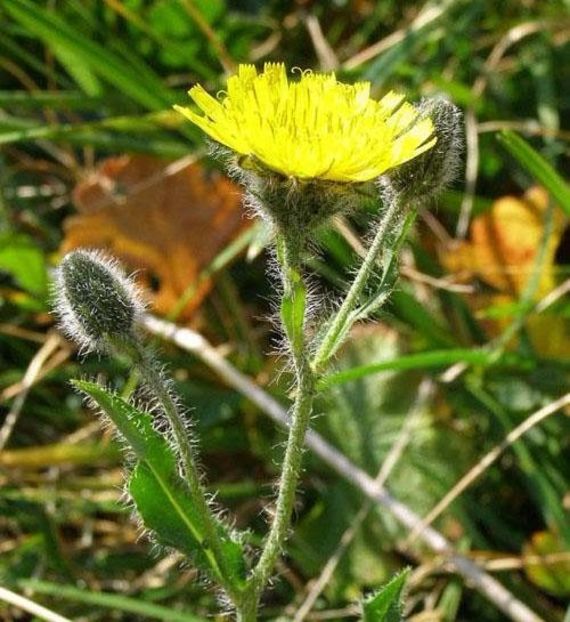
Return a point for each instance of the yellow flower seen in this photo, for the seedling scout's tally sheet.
(314, 128)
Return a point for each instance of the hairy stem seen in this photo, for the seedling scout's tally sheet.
(156, 383)
(341, 321)
(290, 475)
(246, 610)
(293, 317)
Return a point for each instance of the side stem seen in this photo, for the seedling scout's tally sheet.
(153, 378)
(341, 322)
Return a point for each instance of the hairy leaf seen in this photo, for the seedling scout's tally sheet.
(160, 494)
(386, 604)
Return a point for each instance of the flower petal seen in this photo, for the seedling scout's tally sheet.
(314, 127)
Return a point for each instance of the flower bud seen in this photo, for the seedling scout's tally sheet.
(296, 208)
(97, 304)
(429, 173)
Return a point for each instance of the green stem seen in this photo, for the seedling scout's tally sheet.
(341, 322)
(290, 475)
(293, 316)
(246, 611)
(156, 383)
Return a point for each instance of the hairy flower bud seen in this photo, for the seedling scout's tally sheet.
(97, 304)
(429, 173)
(297, 208)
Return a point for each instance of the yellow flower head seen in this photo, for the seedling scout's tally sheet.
(313, 128)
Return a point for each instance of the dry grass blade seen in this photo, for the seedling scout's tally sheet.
(513, 36)
(476, 472)
(530, 127)
(326, 55)
(429, 13)
(553, 296)
(30, 606)
(516, 563)
(33, 372)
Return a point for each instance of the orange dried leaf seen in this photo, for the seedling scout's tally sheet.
(502, 253)
(504, 243)
(166, 220)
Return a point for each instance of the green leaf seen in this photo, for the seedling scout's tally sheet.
(25, 262)
(293, 306)
(386, 604)
(538, 167)
(160, 495)
(365, 419)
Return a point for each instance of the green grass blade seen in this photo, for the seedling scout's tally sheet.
(538, 167)
(126, 133)
(422, 360)
(71, 100)
(133, 124)
(109, 601)
(139, 83)
(80, 71)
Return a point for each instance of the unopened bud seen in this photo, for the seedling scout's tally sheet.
(428, 174)
(97, 303)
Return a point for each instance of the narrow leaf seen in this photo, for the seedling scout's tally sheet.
(390, 273)
(80, 71)
(293, 309)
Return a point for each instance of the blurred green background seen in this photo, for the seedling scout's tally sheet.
(91, 154)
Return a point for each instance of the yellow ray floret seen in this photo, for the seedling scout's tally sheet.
(315, 127)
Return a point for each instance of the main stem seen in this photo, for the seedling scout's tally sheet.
(339, 325)
(290, 475)
(300, 418)
(294, 294)
(153, 378)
